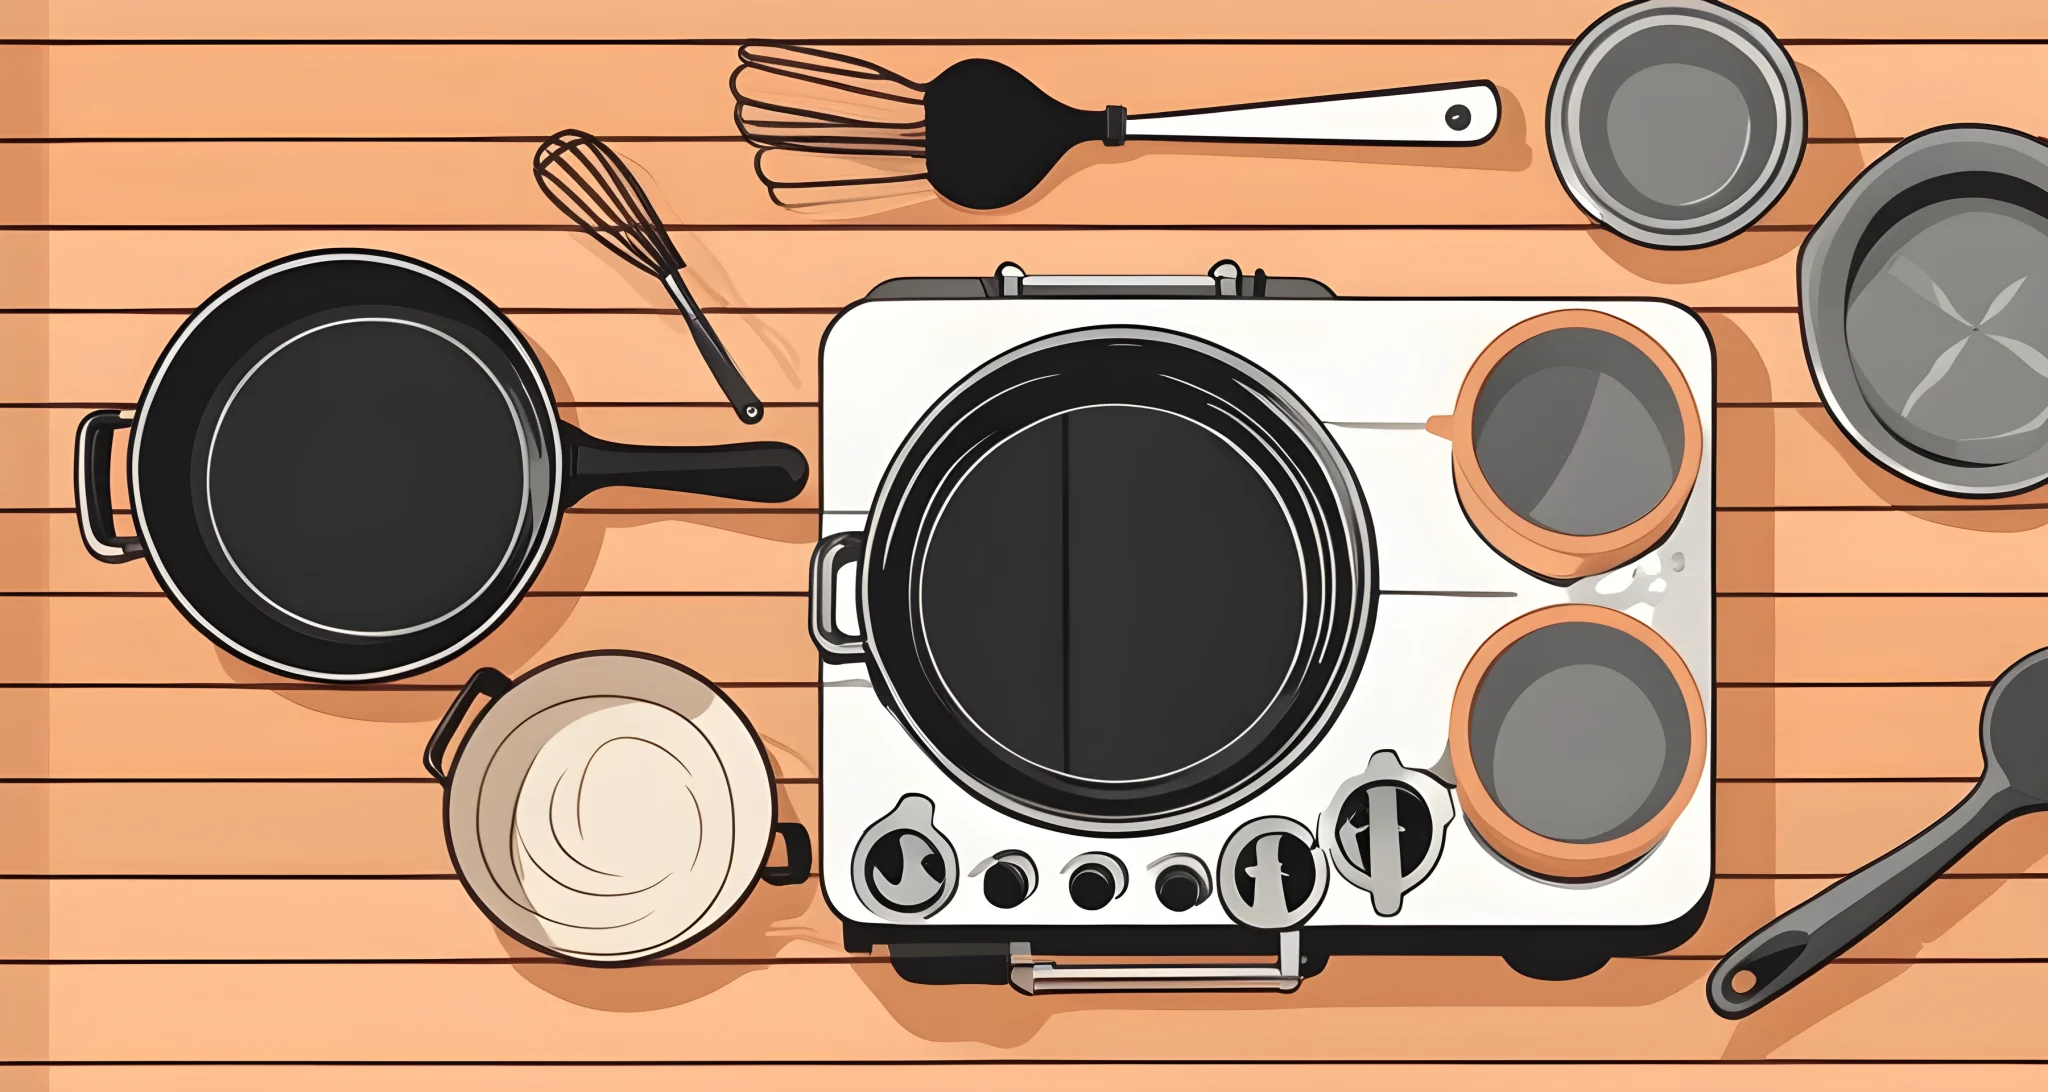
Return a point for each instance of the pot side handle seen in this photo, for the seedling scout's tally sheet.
(797, 869)
(834, 553)
(487, 680)
(93, 468)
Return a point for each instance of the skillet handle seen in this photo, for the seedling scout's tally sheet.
(1801, 941)
(93, 468)
(797, 869)
(757, 471)
(834, 553)
(487, 680)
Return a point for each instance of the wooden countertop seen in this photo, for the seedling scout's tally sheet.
(210, 880)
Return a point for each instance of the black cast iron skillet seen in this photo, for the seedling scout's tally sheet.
(347, 467)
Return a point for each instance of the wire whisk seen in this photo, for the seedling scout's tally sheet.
(803, 99)
(594, 187)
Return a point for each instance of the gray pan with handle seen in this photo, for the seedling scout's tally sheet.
(1802, 941)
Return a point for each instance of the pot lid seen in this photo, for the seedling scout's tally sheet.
(610, 807)
(1925, 294)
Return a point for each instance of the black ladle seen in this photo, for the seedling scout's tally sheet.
(2015, 782)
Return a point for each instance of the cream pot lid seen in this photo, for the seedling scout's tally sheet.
(610, 807)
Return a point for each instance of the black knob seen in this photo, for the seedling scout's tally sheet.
(1180, 887)
(1005, 883)
(1092, 885)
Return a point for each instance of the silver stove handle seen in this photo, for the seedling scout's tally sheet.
(1040, 976)
(1223, 279)
(834, 553)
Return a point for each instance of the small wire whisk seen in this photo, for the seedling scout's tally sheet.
(798, 98)
(594, 187)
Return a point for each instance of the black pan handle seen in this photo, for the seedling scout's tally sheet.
(1803, 939)
(487, 680)
(94, 476)
(797, 869)
(757, 471)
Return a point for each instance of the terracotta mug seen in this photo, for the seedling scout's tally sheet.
(1575, 443)
(1578, 735)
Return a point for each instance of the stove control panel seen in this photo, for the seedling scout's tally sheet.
(903, 868)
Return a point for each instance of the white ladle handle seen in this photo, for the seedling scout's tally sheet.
(1451, 113)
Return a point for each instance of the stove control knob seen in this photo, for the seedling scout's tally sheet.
(1273, 874)
(1385, 829)
(1007, 878)
(1181, 882)
(903, 868)
(1093, 879)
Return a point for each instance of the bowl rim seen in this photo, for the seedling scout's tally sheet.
(1727, 219)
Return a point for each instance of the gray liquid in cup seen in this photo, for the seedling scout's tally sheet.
(1679, 132)
(1578, 432)
(1580, 733)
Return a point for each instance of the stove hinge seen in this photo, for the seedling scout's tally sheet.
(1040, 976)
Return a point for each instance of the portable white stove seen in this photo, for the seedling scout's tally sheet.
(1349, 835)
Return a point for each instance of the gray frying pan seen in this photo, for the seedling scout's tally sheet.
(1923, 298)
(1784, 953)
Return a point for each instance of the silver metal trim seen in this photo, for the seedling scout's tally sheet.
(1283, 975)
(1223, 277)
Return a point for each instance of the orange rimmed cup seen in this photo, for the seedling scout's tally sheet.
(1575, 443)
(1577, 737)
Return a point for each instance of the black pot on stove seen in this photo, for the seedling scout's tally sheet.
(1116, 580)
